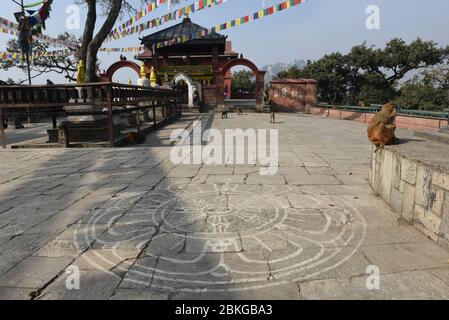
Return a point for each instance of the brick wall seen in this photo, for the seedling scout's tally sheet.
(293, 95)
(210, 95)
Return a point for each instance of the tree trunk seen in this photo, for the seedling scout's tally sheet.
(100, 37)
(88, 28)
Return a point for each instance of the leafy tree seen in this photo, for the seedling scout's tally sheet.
(91, 42)
(62, 64)
(426, 91)
(243, 81)
(367, 73)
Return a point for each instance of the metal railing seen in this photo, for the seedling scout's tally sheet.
(403, 112)
(50, 100)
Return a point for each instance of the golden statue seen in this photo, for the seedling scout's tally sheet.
(81, 72)
(153, 77)
(143, 71)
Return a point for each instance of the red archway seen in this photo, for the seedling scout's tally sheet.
(119, 65)
(260, 79)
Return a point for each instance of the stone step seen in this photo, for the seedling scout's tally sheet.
(441, 136)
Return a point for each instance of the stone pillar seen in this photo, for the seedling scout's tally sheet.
(311, 96)
(219, 82)
(63, 135)
(228, 84)
(215, 66)
(446, 130)
(260, 82)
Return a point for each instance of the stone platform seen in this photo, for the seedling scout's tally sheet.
(413, 177)
(441, 135)
(138, 226)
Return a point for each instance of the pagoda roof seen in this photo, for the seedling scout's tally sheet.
(185, 28)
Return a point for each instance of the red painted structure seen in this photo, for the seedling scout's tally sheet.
(222, 82)
(119, 65)
(206, 61)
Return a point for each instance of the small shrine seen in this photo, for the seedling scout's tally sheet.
(200, 66)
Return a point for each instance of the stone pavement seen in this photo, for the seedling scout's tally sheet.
(136, 226)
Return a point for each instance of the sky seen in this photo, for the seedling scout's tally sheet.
(308, 31)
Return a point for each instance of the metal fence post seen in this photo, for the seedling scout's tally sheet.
(138, 120)
(2, 130)
(154, 114)
(110, 116)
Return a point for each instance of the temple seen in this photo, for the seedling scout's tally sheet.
(202, 66)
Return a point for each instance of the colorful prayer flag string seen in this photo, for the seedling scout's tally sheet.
(132, 28)
(234, 23)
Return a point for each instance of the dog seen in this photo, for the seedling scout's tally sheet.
(224, 114)
(239, 111)
(381, 130)
(136, 138)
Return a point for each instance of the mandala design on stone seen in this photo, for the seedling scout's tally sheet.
(215, 237)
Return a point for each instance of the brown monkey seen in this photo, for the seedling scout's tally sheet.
(224, 114)
(273, 117)
(136, 138)
(382, 127)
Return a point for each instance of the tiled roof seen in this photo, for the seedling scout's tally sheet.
(185, 28)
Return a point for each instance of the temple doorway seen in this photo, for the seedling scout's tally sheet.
(183, 82)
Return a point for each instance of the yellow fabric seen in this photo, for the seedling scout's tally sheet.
(81, 72)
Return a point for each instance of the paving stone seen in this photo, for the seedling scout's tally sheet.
(140, 274)
(351, 179)
(414, 285)
(212, 170)
(129, 236)
(320, 170)
(311, 179)
(219, 232)
(406, 257)
(94, 285)
(34, 272)
(271, 179)
(287, 291)
(20, 247)
(150, 294)
(104, 259)
(15, 293)
(63, 248)
(226, 178)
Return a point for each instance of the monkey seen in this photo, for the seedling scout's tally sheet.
(239, 111)
(381, 130)
(272, 117)
(224, 114)
(136, 138)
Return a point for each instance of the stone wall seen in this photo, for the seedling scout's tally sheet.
(417, 190)
(293, 95)
(402, 121)
(209, 95)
